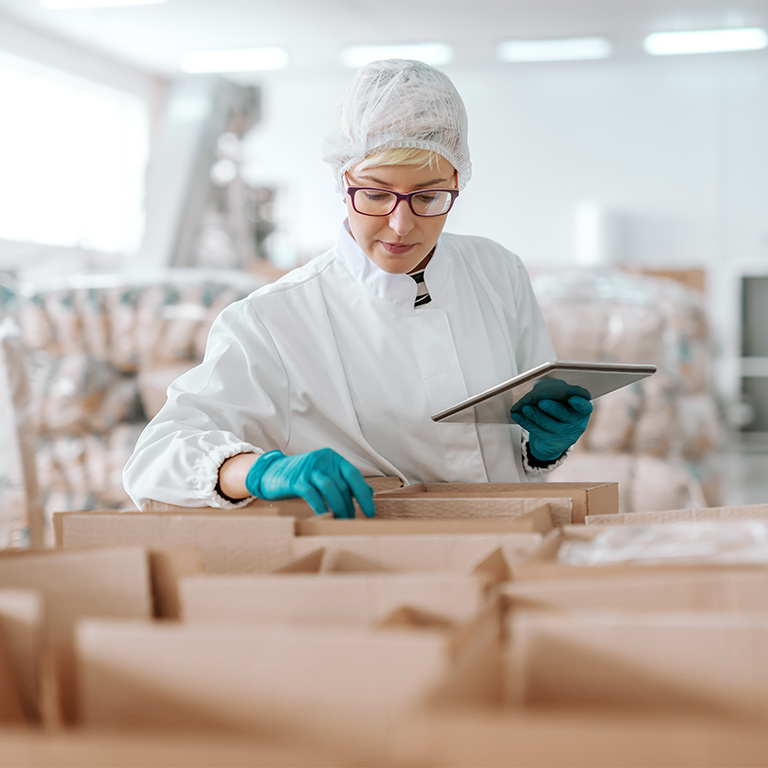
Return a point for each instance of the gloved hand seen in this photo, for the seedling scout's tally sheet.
(322, 478)
(553, 427)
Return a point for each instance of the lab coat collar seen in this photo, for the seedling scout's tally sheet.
(397, 289)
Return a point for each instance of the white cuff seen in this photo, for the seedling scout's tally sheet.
(540, 471)
(206, 475)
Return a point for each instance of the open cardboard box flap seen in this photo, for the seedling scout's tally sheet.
(747, 512)
(307, 593)
(416, 552)
(734, 590)
(228, 542)
(586, 498)
(342, 686)
(537, 518)
(699, 663)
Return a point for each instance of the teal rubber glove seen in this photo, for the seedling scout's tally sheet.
(322, 478)
(553, 427)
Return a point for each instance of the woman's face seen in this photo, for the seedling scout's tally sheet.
(399, 242)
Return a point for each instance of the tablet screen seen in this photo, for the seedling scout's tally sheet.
(556, 380)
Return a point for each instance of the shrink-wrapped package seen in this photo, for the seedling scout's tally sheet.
(100, 351)
(606, 315)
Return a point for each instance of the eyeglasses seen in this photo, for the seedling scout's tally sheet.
(371, 201)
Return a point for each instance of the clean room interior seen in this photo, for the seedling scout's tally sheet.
(162, 159)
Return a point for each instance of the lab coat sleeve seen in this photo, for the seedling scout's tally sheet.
(533, 344)
(235, 401)
(533, 347)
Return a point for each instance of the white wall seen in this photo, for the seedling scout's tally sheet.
(671, 150)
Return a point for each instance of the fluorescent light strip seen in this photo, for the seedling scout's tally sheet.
(706, 41)
(568, 49)
(234, 60)
(435, 54)
(72, 4)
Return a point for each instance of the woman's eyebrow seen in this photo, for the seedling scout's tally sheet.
(380, 182)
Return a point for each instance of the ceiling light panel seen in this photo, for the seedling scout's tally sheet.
(72, 4)
(436, 54)
(706, 41)
(568, 49)
(234, 60)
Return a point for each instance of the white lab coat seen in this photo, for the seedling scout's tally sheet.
(335, 355)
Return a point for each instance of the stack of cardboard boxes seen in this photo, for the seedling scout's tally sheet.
(452, 629)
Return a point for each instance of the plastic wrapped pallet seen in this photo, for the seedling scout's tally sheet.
(605, 315)
(102, 351)
(20, 503)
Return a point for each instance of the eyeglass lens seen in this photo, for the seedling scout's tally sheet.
(379, 202)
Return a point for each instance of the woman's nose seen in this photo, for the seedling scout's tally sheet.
(402, 220)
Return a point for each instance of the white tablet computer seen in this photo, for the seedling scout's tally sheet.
(556, 380)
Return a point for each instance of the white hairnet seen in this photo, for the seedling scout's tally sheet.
(397, 103)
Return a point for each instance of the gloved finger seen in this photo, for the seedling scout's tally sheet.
(360, 489)
(542, 420)
(335, 492)
(581, 405)
(558, 411)
(310, 494)
(520, 418)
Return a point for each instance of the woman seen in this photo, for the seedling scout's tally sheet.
(332, 373)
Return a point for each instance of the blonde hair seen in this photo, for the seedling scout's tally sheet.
(421, 158)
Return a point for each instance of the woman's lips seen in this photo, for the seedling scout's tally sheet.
(396, 248)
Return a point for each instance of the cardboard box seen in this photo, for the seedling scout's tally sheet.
(22, 635)
(342, 587)
(458, 553)
(238, 542)
(32, 748)
(747, 512)
(228, 541)
(536, 520)
(657, 590)
(577, 738)
(361, 599)
(75, 583)
(569, 502)
(699, 663)
(11, 710)
(342, 686)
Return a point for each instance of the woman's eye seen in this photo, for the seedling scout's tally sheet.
(376, 197)
(426, 197)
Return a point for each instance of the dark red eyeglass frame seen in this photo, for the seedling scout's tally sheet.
(454, 193)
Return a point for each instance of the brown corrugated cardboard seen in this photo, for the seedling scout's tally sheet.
(349, 598)
(586, 499)
(705, 663)
(747, 512)
(31, 748)
(167, 567)
(228, 542)
(22, 629)
(345, 686)
(432, 502)
(716, 590)
(11, 710)
(432, 552)
(575, 738)
(76, 583)
(536, 520)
